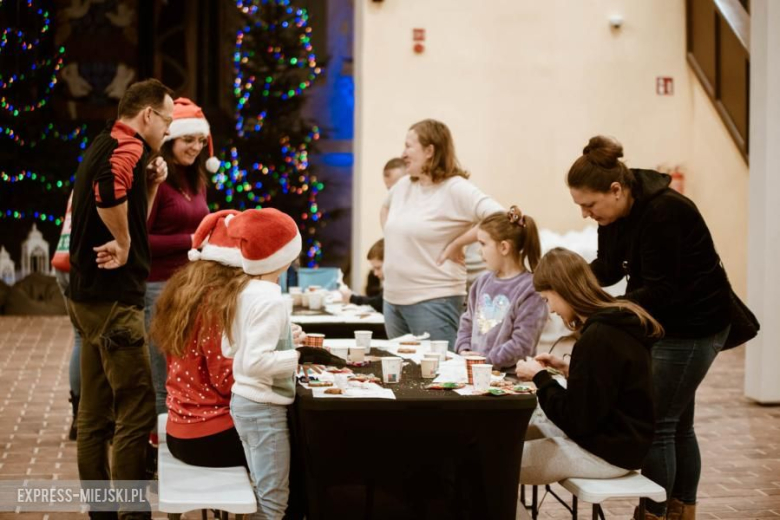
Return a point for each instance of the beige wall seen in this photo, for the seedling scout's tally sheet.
(523, 85)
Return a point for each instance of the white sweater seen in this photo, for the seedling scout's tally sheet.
(421, 222)
(265, 359)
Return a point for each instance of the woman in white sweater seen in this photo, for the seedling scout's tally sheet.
(428, 217)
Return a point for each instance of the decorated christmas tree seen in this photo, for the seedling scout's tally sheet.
(266, 161)
(37, 156)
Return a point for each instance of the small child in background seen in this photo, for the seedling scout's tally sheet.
(393, 171)
(376, 257)
(505, 315)
(61, 264)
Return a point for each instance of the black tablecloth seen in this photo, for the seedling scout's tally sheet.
(426, 454)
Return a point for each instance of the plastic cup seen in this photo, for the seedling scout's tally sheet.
(342, 352)
(315, 300)
(314, 340)
(357, 354)
(297, 295)
(363, 338)
(481, 376)
(428, 367)
(391, 369)
(341, 380)
(470, 362)
(440, 345)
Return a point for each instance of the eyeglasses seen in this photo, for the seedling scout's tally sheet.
(166, 119)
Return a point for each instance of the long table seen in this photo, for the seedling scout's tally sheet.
(426, 454)
(334, 322)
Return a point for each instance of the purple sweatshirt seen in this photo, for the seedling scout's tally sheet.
(504, 319)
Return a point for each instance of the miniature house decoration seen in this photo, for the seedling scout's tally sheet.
(35, 254)
(7, 268)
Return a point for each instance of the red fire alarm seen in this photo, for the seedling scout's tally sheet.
(418, 37)
(664, 86)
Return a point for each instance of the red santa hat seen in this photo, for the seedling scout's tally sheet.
(213, 240)
(188, 119)
(268, 240)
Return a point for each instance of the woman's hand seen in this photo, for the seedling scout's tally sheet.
(526, 370)
(548, 360)
(452, 252)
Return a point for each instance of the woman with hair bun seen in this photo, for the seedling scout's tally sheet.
(658, 240)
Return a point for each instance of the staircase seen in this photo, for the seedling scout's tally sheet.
(718, 42)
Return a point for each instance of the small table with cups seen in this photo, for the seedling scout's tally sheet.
(424, 453)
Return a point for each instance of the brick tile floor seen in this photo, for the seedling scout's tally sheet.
(740, 440)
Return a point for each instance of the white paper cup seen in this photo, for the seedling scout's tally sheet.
(341, 380)
(438, 356)
(342, 352)
(357, 354)
(481, 375)
(440, 346)
(391, 369)
(297, 295)
(315, 300)
(428, 367)
(363, 338)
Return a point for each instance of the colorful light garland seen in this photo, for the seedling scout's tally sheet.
(255, 185)
(20, 44)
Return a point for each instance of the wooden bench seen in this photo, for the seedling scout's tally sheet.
(183, 488)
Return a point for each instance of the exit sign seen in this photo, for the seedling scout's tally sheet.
(664, 86)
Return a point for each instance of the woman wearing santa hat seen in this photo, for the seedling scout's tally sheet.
(179, 207)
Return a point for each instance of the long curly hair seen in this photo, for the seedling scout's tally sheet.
(201, 296)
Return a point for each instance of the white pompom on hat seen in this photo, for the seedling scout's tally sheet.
(268, 240)
(188, 119)
(213, 240)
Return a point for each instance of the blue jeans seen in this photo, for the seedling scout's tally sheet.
(263, 430)
(156, 358)
(74, 367)
(674, 461)
(438, 317)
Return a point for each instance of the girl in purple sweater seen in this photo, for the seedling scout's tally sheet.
(505, 315)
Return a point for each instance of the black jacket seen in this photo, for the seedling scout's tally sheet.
(112, 172)
(665, 249)
(376, 301)
(607, 407)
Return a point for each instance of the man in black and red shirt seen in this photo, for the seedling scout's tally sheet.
(109, 255)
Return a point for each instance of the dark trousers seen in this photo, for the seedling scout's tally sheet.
(117, 397)
(221, 450)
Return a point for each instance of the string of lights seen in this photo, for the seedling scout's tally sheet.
(273, 64)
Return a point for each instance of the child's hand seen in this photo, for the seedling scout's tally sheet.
(297, 333)
(468, 353)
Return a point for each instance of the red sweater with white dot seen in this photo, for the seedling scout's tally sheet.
(198, 387)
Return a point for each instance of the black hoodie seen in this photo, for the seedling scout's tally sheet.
(665, 249)
(607, 407)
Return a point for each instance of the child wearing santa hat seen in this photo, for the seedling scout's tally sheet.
(229, 297)
(179, 207)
